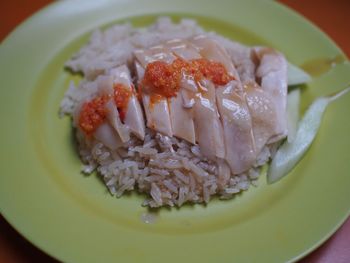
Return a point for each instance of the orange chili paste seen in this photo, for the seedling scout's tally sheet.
(122, 94)
(164, 79)
(93, 114)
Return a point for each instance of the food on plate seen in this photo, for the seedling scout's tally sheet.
(176, 112)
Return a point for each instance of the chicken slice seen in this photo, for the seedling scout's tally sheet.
(181, 112)
(157, 113)
(210, 49)
(208, 129)
(234, 114)
(241, 57)
(272, 72)
(263, 113)
(134, 116)
(108, 136)
(157, 53)
(209, 132)
(237, 125)
(106, 87)
(114, 119)
(183, 49)
(181, 120)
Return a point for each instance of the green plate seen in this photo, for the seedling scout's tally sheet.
(73, 218)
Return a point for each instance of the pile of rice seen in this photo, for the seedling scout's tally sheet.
(169, 170)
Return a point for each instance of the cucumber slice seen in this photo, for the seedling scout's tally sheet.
(293, 104)
(289, 154)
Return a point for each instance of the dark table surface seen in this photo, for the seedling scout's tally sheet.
(332, 16)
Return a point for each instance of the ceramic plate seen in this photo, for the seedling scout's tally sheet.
(73, 218)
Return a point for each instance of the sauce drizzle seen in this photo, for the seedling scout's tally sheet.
(319, 66)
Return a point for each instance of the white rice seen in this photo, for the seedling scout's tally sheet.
(170, 171)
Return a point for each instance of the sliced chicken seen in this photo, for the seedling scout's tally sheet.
(232, 122)
(157, 53)
(112, 132)
(245, 65)
(237, 125)
(272, 73)
(157, 113)
(180, 117)
(241, 57)
(210, 49)
(140, 71)
(263, 113)
(104, 84)
(181, 112)
(134, 116)
(106, 87)
(235, 116)
(209, 132)
(108, 136)
(208, 129)
(114, 119)
(182, 49)
(261, 101)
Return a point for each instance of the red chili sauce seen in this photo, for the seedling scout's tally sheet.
(93, 113)
(163, 79)
(122, 94)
